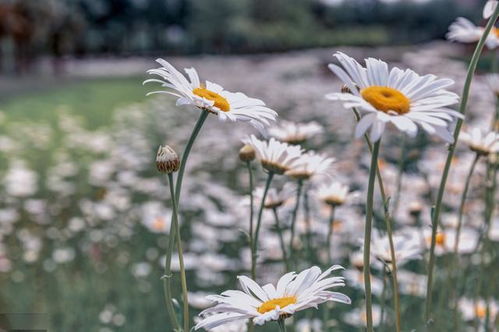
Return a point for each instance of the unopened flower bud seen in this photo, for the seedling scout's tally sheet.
(167, 160)
(247, 153)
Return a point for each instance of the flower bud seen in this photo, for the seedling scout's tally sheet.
(167, 160)
(247, 153)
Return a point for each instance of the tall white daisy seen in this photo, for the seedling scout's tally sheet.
(275, 156)
(293, 293)
(210, 96)
(396, 96)
(463, 30)
(481, 142)
(294, 133)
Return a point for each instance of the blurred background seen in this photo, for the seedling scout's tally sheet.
(83, 213)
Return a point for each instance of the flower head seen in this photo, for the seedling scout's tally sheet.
(406, 248)
(210, 96)
(294, 133)
(275, 156)
(464, 31)
(310, 164)
(275, 198)
(293, 293)
(396, 96)
(481, 142)
(334, 193)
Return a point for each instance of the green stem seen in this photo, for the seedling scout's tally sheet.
(183, 279)
(308, 226)
(176, 198)
(401, 162)
(388, 223)
(330, 235)
(455, 258)
(294, 216)
(450, 155)
(258, 224)
(281, 239)
(383, 299)
(367, 235)
(250, 172)
(282, 325)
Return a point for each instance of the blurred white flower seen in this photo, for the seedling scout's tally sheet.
(20, 181)
(294, 133)
(309, 165)
(480, 142)
(489, 8)
(464, 31)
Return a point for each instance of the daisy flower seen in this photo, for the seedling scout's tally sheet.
(309, 165)
(334, 193)
(275, 198)
(464, 31)
(210, 96)
(294, 133)
(406, 248)
(401, 97)
(493, 83)
(481, 142)
(293, 293)
(274, 156)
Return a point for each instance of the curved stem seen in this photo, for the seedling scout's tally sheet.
(450, 155)
(250, 172)
(401, 161)
(281, 239)
(282, 325)
(367, 235)
(293, 217)
(387, 217)
(176, 198)
(330, 235)
(183, 279)
(258, 224)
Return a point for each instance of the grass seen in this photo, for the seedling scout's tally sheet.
(93, 100)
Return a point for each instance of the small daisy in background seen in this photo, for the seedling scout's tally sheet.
(406, 248)
(275, 156)
(293, 293)
(396, 96)
(480, 142)
(309, 165)
(275, 198)
(294, 133)
(334, 193)
(210, 96)
(464, 31)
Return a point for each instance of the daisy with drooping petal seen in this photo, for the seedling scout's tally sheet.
(294, 133)
(276, 157)
(293, 293)
(464, 31)
(481, 142)
(210, 96)
(396, 96)
(309, 165)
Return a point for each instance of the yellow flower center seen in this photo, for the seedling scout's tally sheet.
(274, 303)
(480, 311)
(159, 223)
(218, 100)
(440, 239)
(495, 31)
(386, 99)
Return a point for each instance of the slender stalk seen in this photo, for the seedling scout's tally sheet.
(294, 215)
(383, 299)
(387, 217)
(330, 234)
(450, 155)
(258, 224)
(308, 226)
(183, 279)
(281, 239)
(367, 235)
(401, 161)
(282, 325)
(176, 198)
(250, 173)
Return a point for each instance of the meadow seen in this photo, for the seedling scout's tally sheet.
(85, 216)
